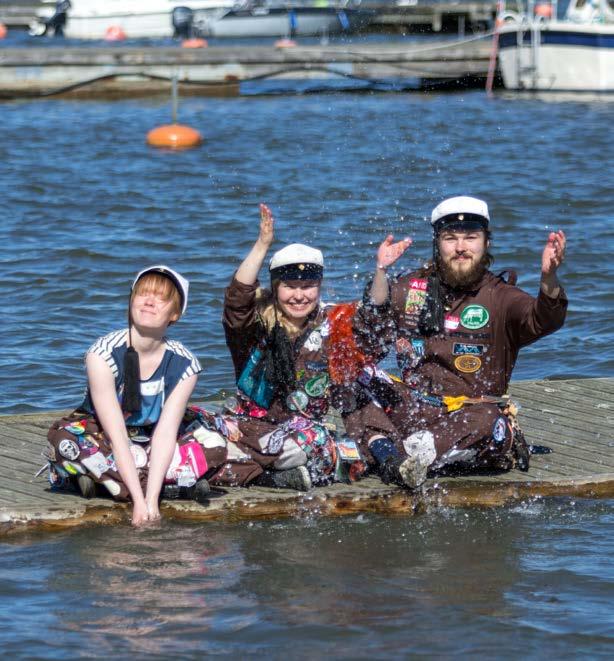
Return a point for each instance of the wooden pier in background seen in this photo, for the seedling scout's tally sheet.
(574, 418)
(134, 71)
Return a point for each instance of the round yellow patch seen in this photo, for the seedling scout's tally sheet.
(467, 363)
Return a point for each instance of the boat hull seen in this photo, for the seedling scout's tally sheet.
(214, 21)
(564, 57)
(300, 22)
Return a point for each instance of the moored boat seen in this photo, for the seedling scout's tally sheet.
(93, 19)
(539, 51)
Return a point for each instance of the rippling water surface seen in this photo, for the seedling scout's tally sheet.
(86, 204)
(530, 582)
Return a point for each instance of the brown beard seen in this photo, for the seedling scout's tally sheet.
(464, 280)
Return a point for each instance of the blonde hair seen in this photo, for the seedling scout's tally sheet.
(161, 286)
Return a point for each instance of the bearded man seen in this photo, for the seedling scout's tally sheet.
(457, 329)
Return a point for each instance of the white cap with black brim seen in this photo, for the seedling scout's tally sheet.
(297, 262)
(460, 213)
(178, 280)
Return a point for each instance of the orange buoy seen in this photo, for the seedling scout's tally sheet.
(114, 33)
(194, 43)
(3, 31)
(544, 10)
(285, 43)
(174, 136)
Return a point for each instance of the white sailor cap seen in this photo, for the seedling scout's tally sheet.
(461, 212)
(297, 262)
(178, 280)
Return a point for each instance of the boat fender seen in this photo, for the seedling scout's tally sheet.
(114, 33)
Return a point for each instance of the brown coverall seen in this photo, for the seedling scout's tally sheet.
(485, 327)
(244, 333)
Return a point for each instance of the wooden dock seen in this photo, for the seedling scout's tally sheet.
(135, 71)
(574, 418)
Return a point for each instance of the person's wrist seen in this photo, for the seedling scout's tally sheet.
(381, 267)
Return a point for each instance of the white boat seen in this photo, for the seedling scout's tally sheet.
(538, 51)
(276, 20)
(137, 19)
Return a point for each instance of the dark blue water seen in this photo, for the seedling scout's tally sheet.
(529, 582)
(86, 204)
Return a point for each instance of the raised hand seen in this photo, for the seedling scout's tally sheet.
(389, 252)
(554, 252)
(266, 225)
(247, 273)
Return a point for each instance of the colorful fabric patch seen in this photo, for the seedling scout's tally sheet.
(111, 463)
(317, 386)
(418, 348)
(325, 328)
(416, 295)
(314, 341)
(451, 322)
(139, 455)
(275, 441)
(319, 446)
(73, 468)
(56, 478)
(474, 316)
(193, 455)
(403, 345)
(96, 464)
(498, 431)
(297, 400)
(473, 349)
(68, 449)
(76, 428)
(86, 446)
(467, 363)
(316, 366)
(348, 450)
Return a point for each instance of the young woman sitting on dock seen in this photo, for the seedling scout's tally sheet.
(125, 434)
(288, 349)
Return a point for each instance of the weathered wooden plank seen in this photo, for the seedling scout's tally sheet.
(28, 462)
(537, 430)
(564, 398)
(565, 429)
(582, 464)
(17, 463)
(576, 400)
(26, 436)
